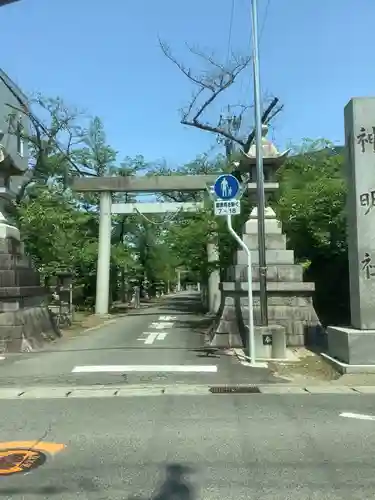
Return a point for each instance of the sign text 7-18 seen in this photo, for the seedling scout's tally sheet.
(232, 207)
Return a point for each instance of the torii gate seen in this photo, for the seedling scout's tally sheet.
(179, 272)
(153, 184)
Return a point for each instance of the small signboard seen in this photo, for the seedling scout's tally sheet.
(232, 207)
(267, 339)
(227, 187)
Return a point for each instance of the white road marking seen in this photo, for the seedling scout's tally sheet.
(151, 337)
(167, 318)
(2, 358)
(161, 325)
(146, 368)
(358, 416)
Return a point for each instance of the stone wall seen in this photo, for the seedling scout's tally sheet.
(25, 320)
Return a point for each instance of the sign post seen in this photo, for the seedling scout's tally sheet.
(228, 192)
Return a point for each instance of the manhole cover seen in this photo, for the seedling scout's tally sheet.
(16, 461)
(235, 389)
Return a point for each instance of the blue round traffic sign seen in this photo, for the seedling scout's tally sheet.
(226, 187)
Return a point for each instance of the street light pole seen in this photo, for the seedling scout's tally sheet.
(259, 170)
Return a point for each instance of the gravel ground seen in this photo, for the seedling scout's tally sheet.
(307, 366)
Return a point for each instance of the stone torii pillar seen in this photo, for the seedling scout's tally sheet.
(214, 294)
(104, 253)
(179, 271)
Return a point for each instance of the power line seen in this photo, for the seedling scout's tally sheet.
(264, 20)
(230, 30)
(246, 81)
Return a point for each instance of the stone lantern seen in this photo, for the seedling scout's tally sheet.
(290, 303)
(272, 161)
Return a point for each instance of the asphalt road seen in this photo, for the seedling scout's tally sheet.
(128, 444)
(210, 447)
(157, 345)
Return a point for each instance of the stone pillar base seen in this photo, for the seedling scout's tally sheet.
(25, 320)
(226, 333)
(27, 329)
(351, 346)
(290, 301)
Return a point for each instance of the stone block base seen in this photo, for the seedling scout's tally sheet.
(26, 329)
(227, 333)
(25, 320)
(270, 341)
(295, 314)
(297, 321)
(351, 346)
(232, 331)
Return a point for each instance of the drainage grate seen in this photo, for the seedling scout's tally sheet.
(235, 389)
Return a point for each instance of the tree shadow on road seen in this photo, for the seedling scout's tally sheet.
(175, 486)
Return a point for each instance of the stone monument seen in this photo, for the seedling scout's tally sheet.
(355, 345)
(25, 321)
(289, 297)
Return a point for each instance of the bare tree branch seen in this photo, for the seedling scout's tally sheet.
(274, 113)
(186, 71)
(210, 84)
(214, 130)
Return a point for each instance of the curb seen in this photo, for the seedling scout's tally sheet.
(96, 327)
(120, 391)
(344, 368)
(318, 389)
(244, 359)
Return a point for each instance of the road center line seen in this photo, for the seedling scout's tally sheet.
(358, 416)
(145, 368)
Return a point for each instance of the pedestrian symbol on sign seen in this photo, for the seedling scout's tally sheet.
(225, 188)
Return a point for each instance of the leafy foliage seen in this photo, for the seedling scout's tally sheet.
(311, 208)
(311, 201)
(51, 226)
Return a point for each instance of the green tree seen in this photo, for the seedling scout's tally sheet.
(311, 208)
(52, 227)
(54, 131)
(190, 232)
(60, 228)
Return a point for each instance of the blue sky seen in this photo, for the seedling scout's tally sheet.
(104, 57)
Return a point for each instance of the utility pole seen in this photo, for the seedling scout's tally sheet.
(231, 124)
(259, 169)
